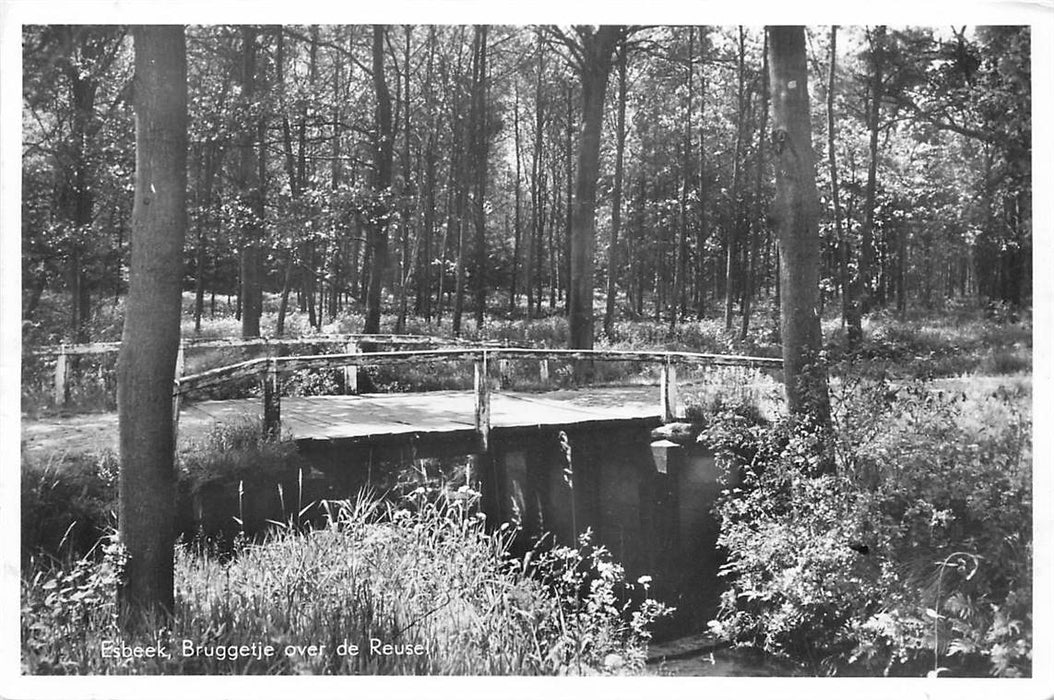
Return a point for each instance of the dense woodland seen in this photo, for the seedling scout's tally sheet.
(448, 172)
(462, 179)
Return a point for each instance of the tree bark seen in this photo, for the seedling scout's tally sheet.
(150, 339)
(867, 236)
(616, 195)
(517, 232)
(480, 143)
(680, 267)
(757, 221)
(797, 213)
(735, 230)
(850, 302)
(383, 153)
(597, 49)
(703, 233)
(251, 296)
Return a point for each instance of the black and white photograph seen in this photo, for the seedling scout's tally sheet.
(692, 349)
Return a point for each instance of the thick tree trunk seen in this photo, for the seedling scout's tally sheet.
(598, 52)
(150, 340)
(797, 213)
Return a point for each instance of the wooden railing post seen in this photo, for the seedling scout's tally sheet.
(272, 400)
(351, 372)
(61, 369)
(482, 391)
(177, 396)
(668, 391)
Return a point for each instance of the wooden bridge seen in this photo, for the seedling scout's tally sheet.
(374, 417)
(649, 502)
(447, 416)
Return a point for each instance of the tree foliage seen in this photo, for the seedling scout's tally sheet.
(942, 200)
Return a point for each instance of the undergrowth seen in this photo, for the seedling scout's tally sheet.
(380, 589)
(914, 557)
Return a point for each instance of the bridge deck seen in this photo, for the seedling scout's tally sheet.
(363, 418)
(366, 417)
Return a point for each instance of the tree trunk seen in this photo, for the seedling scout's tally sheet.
(758, 219)
(616, 195)
(850, 304)
(680, 269)
(735, 230)
(703, 232)
(517, 233)
(867, 242)
(598, 51)
(210, 167)
(569, 197)
(480, 139)
(797, 212)
(382, 160)
(150, 340)
(423, 302)
(251, 296)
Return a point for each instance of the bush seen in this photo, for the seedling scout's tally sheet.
(914, 555)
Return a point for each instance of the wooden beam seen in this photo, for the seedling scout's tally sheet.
(61, 370)
(351, 372)
(482, 391)
(177, 395)
(272, 400)
(668, 408)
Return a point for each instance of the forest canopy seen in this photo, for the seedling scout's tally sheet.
(442, 162)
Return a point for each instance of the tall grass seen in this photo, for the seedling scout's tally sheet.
(428, 579)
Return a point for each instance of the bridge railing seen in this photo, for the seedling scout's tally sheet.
(269, 370)
(65, 353)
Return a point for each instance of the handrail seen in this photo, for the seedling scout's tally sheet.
(340, 360)
(351, 341)
(480, 356)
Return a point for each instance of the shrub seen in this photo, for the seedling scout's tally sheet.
(914, 555)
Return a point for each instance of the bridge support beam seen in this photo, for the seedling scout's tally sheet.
(351, 372)
(668, 409)
(272, 417)
(61, 369)
(482, 391)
